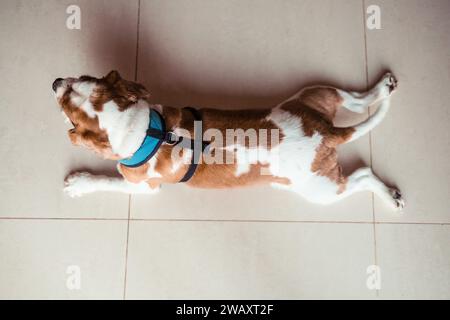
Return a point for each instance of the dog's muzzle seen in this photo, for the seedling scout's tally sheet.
(57, 83)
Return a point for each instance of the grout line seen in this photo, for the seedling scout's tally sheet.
(375, 246)
(130, 196)
(366, 60)
(126, 250)
(137, 41)
(63, 219)
(249, 221)
(291, 221)
(229, 220)
(365, 44)
(413, 223)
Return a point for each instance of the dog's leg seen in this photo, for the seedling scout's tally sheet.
(361, 180)
(359, 102)
(327, 100)
(364, 180)
(81, 183)
(374, 120)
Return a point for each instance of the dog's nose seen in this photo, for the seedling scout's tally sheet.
(57, 83)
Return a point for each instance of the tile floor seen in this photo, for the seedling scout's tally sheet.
(252, 243)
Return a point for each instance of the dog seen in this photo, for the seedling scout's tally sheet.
(292, 145)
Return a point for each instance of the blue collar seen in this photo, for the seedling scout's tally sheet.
(156, 134)
(150, 144)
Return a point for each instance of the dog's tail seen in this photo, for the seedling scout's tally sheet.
(355, 132)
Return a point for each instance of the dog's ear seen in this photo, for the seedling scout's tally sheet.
(129, 90)
(113, 76)
(135, 91)
(90, 140)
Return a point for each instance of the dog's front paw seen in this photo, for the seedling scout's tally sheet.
(391, 82)
(77, 184)
(388, 84)
(399, 202)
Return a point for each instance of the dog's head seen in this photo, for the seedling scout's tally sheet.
(102, 111)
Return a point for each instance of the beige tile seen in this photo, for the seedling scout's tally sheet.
(411, 147)
(241, 260)
(38, 258)
(37, 48)
(414, 261)
(254, 54)
(259, 203)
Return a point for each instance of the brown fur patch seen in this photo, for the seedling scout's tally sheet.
(134, 175)
(164, 165)
(219, 176)
(221, 120)
(313, 121)
(246, 119)
(326, 164)
(325, 100)
(123, 92)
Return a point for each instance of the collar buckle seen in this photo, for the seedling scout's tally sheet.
(171, 138)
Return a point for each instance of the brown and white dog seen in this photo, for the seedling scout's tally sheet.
(111, 116)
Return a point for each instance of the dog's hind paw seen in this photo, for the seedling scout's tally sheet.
(389, 82)
(399, 202)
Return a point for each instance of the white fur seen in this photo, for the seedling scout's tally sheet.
(245, 157)
(84, 88)
(359, 102)
(366, 126)
(381, 93)
(363, 179)
(80, 97)
(82, 183)
(63, 87)
(126, 129)
(297, 153)
(151, 172)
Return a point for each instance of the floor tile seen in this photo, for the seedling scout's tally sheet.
(414, 261)
(411, 147)
(38, 48)
(259, 203)
(234, 54)
(241, 260)
(42, 259)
